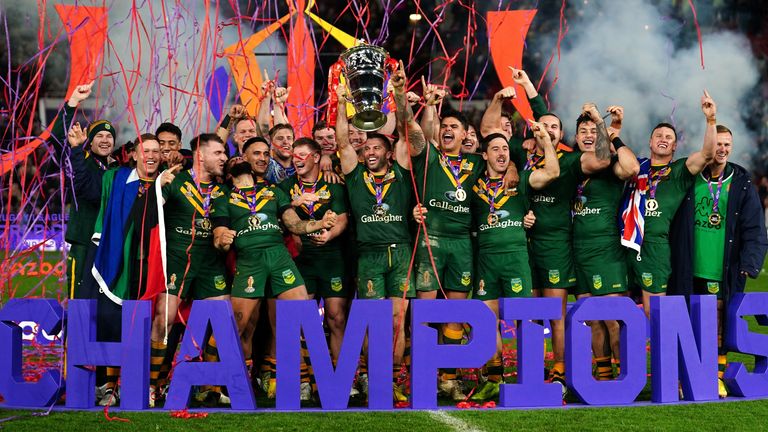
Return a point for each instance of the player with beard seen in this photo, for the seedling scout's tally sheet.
(247, 217)
(718, 237)
(195, 269)
(320, 261)
(380, 198)
(664, 191)
(444, 176)
(550, 243)
(500, 220)
(598, 255)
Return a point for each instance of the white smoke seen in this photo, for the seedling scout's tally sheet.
(621, 53)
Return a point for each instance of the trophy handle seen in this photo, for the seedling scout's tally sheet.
(334, 77)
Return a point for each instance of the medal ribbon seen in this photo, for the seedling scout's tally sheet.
(531, 164)
(483, 192)
(252, 199)
(310, 208)
(492, 193)
(580, 189)
(454, 171)
(377, 187)
(206, 196)
(715, 195)
(655, 178)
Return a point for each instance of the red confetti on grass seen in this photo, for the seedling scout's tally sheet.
(186, 415)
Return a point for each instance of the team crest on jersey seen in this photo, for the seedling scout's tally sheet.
(426, 278)
(554, 276)
(466, 278)
(289, 277)
(249, 289)
(369, 286)
(516, 285)
(404, 285)
(268, 194)
(336, 284)
(216, 193)
(597, 281)
(219, 283)
(481, 288)
(713, 287)
(647, 279)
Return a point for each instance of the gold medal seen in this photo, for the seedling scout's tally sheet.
(578, 206)
(461, 195)
(651, 204)
(205, 224)
(715, 219)
(493, 219)
(254, 221)
(379, 210)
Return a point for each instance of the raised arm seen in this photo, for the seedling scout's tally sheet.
(406, 124)
(627, 165)
(430, 121)
(263, 117)
(698, 161)
(235, 113)
(87, 183)
(347, 153)
(281, 97)
(540, 178)
(491, 121)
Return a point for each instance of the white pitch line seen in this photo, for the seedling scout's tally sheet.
(456, 424)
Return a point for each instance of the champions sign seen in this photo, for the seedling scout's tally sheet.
(683, 350)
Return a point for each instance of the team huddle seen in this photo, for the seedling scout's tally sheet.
(423, 208)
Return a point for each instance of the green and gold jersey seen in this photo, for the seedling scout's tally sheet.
(331, 198)
(186, 219)
(709, 225)
(385, 225)
(449, 214)
(596, 208)
(674, 180)
(552, 205)
(503, 230)
(253, 213)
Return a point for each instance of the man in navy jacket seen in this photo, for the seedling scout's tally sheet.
(718, 236)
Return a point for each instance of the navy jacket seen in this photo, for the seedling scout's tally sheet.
(745, 238)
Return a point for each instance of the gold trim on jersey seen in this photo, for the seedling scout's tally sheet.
(241, 201)
(319, 203)
(540, 163)
(389, 177)
(190, 192)
(466, 169)
(481, 189)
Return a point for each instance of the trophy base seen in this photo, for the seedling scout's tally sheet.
(369, 121)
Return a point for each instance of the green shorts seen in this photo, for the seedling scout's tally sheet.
(256, 267)
(503, 275)
(652, 272)
(601, 268)
(707, 287)
(453, 260)
(199, 276)
(383, 273)
(552, 265)
(324, 275)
